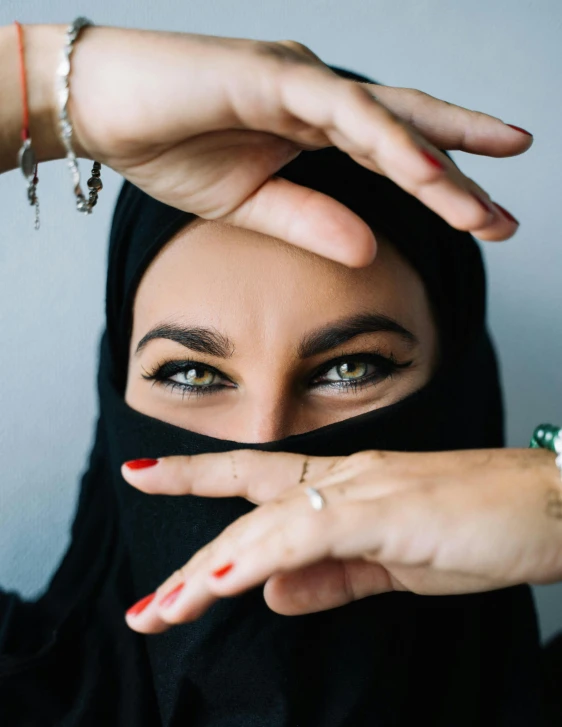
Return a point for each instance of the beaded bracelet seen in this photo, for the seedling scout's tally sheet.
(65, 125)
(547, 436)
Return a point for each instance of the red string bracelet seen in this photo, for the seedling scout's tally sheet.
(27, 161)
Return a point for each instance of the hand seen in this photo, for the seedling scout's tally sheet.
(431, 523)
(204, 122)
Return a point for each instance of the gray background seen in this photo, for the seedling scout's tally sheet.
(501, 56)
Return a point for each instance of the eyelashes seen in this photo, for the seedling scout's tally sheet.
(163, 372)
(349, 373)
(375, 366)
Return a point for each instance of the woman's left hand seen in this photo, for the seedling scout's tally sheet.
(430, 523)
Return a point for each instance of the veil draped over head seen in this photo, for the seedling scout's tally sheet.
(395, 659)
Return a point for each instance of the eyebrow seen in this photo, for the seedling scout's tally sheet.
(335, 334)
(214, 343)
(203, 340)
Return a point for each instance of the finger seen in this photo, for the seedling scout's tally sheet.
(444, 124)
(257, 476)
(286, 535)
(448, 126)
(497, 224)
(369, 131)
(160, 614)
(333, 583)
(185, 595)
(306, 218)
(325, 106)
(157, 617)
(192, 595)
(325, 585)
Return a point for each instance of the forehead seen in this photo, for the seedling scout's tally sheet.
(237, 279)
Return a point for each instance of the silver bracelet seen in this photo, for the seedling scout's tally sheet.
(65, 125)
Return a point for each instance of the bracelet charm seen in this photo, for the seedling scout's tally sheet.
(27, 160)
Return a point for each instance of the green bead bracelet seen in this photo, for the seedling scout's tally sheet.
(547, 436)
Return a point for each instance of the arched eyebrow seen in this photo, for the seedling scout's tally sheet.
(335, 334)
(214, 343)
(203, 340)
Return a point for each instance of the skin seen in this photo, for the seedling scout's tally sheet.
(432, 523)
(260, 103)
(266, 298)
(211, 142)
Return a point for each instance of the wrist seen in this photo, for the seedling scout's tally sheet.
(42, 47)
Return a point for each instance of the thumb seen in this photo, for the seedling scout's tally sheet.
(325, 585)
(306, 218)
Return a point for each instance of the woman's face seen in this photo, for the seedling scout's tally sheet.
(240, 336)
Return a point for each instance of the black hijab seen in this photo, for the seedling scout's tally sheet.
(394, 659)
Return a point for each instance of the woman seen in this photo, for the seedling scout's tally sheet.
(275, 339)
(76, 624)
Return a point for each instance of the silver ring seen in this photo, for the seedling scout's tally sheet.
(316, 499)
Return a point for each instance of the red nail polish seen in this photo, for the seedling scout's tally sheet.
(171, 597)
(432, 160)
(507, 214)
(518, 128)
(141, 464)
(220, 572)
(139, 606)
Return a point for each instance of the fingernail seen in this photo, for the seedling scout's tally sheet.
(220, 572)
(141, 464)
(486, 206)
(432, 160)
(139, 606)
(507, 214)
(171, 597)
(518, 128)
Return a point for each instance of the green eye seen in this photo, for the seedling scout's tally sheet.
(349, 371)
(196, 376)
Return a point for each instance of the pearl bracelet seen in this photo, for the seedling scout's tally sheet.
(65, 125)
(547, 436)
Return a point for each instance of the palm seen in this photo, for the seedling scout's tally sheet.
(212, 174)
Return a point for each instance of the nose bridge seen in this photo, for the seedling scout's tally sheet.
(268, 419)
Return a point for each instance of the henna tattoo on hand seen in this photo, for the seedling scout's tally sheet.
(554, 504)
(305, 465)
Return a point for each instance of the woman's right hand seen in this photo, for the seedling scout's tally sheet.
(433, 523)
(203, 122)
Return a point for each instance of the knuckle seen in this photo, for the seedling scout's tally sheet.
(400, 135)
(281, 51)
(417, 94)
(299, 48)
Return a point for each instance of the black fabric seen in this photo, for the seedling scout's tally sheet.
(393, 660)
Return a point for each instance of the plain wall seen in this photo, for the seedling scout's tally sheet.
(501, 56)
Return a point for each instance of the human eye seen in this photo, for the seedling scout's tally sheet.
(188, 377)
(358, 370)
